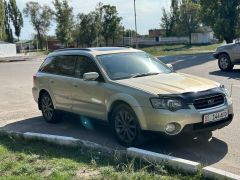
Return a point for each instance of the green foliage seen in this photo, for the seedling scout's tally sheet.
(223, 17)
(25, 159)
(7, 25)
(86, 29)
(16, 17)
(2, 17)
(64, 18)
(110, 23)
(189, 20)
(169, 19)
(183, 18)
(40, 17)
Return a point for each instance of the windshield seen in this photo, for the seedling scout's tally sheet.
(131, 65)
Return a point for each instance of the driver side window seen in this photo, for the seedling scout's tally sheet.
(85, 65)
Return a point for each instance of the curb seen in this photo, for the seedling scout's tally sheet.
(184, 165)
(213, 173)
(173, 162)
(200, 53)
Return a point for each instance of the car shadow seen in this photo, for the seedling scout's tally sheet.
(234, 74)
(185, 61)
(203, 151)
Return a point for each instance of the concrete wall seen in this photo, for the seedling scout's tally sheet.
(202, 38)
(7, 50)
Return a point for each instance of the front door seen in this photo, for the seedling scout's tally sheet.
(236, 51)
(88, 96)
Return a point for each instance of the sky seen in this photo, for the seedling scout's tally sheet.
(149, 13)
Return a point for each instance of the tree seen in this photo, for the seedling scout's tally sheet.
(189, 17)
(7, 26)
(64, 18)
(110, 23)
(166, 22)
(169, 19)
(2, 17)
(40, 17)
(222, 16)
(16, 17)
(86, 29)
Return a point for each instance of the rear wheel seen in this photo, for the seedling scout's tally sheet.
(224, 62)
(125, 126)
(47, 108)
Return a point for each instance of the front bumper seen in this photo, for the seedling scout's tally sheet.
(215, 55)
(189, 120)
(200, 127)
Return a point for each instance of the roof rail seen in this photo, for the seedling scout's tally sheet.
(72, 49)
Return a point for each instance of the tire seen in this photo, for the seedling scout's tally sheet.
(224, 62)
(125, 126)
(49, 113)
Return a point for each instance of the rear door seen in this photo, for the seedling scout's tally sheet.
(88, 96)
(62, 72)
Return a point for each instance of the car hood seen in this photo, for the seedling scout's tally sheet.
(172, 83)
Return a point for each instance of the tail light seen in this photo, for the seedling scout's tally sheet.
(34, 77)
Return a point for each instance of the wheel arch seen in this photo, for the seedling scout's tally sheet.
(131, 102)
(41, 92)
(225, 53)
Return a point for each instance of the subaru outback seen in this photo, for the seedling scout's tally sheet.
(131, 90)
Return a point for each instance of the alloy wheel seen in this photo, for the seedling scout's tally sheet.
(224, 62)
(47, 107)
(125, 126)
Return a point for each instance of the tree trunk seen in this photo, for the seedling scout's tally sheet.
(40, 40)
(190, 38)
(106, 41)
(229, 40)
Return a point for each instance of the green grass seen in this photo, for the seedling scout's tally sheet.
(179, 49)
(22, 159)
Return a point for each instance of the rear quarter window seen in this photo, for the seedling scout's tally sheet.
(48, 65)
(60, 65)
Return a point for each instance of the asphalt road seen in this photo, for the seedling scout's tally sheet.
(18, 112)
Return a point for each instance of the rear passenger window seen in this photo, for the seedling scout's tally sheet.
(65, 65)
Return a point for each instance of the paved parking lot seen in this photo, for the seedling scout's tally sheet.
(19, 112)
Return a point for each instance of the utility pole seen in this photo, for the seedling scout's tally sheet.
(135, 14)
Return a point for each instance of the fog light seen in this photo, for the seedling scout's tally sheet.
(170, 128)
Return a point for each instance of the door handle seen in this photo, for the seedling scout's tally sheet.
(51, 81)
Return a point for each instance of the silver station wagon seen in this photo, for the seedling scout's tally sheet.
(131, 90)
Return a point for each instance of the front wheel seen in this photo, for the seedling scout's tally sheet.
(224, 62)
(125, 126)
(47, 108)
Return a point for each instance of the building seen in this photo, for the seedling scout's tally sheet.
(24, 45)
(7, 49)
(156, 33)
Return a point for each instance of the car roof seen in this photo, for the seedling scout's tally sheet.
(93, 51)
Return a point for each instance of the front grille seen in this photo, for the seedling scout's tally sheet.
(209, 101)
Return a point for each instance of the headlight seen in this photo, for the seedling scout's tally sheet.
(171, 104)
(226, 92)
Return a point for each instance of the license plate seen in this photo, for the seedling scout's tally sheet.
(215, 116)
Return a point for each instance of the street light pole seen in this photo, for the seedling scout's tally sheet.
(135, 14)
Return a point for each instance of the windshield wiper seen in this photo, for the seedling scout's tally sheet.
(143, 74)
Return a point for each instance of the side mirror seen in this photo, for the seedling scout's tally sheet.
(91, 76)
(170, 66)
